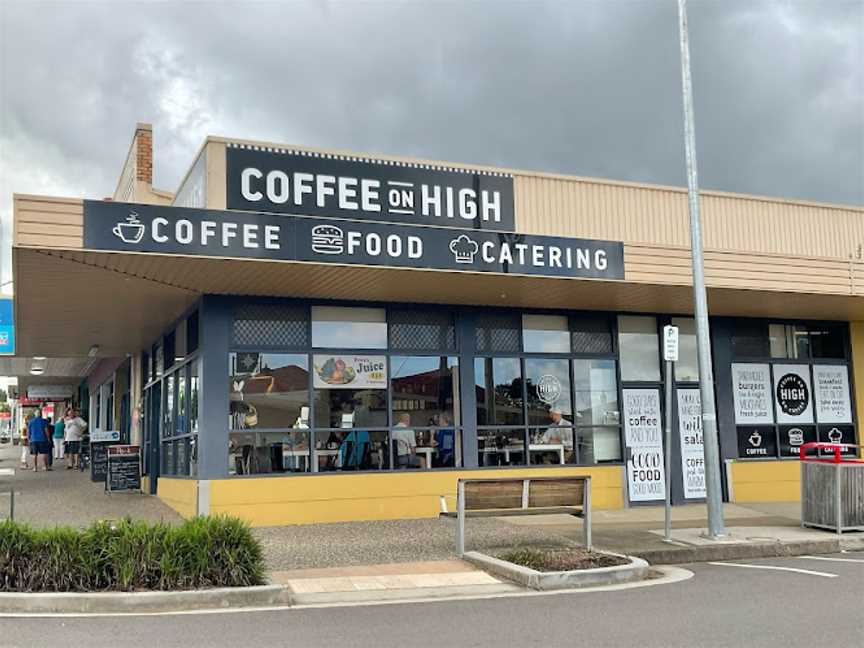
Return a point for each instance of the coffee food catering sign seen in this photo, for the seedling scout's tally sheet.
(309, 183)
(176, 230)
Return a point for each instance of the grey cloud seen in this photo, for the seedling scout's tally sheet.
(590, 88)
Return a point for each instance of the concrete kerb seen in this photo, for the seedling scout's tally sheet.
(111, 602)
(636, 570)
(742, 551)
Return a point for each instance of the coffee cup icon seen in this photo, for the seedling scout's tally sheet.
(132, 231)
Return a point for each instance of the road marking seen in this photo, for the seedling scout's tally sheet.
(786, 569)
(831, 559)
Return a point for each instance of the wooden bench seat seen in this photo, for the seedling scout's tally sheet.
(520, 496)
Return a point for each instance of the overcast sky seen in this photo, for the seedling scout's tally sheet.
(588, 88)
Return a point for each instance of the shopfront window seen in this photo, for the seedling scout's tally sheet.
(597, 412)
(425, 409)
(639, 347)
(788, 341)
(499, 391)
(545, 334)
(687, 367)
(267, 390)
(338, 327)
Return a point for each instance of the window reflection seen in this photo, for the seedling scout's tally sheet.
(687, 367)
(547, 384)
(499, 391)
(346, 408)
(268, 390)
(545, 334)
(338, 327)
(639, 348)
(596, 392)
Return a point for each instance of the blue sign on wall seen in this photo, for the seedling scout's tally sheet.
(7, 326)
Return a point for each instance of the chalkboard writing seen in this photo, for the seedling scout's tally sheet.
(98, 462)
(124, 468)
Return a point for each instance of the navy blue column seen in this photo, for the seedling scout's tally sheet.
(467, 392)
(215, 321)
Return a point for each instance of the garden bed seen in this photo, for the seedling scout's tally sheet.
(125, 556)
(558, 559)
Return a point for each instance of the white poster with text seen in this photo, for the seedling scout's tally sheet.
(646, 479)
(831, 384)
(692, 448)
(751, 392)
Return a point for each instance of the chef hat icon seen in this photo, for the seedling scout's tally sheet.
(463, 248)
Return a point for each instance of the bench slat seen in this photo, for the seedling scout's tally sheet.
(563, 492)
(493, 495)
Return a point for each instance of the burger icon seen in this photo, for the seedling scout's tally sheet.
(328, 239)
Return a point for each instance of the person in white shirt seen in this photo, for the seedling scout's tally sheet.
(406, 443)
(559, 430)
(73, 430)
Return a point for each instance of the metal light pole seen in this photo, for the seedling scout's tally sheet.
(713, 488)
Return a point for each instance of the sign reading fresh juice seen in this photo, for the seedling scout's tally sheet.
(349, 372)
(646, 479)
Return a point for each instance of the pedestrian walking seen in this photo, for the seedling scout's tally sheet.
(73, 428)
(59, 438)
(39, 436)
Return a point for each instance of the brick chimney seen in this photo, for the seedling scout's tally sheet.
(144, 153)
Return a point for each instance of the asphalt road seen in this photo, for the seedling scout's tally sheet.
(722, 605)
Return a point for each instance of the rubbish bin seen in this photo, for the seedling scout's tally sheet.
(832, 489)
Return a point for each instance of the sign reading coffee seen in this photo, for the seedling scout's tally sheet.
(792, 393)
(175, 230)
(757, 442)
(359, 188)
(646, 479)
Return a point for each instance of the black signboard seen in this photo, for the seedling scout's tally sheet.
(341, 186)
(98, 461)
(838, 434)
(792, 394)
(124, 468)
(177, 230)
(792, 437)
(757, 442)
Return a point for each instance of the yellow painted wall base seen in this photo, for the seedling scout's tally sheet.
(273, 501)
(766, 481)
(180, 494)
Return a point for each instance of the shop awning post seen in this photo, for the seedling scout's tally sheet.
(713, 488)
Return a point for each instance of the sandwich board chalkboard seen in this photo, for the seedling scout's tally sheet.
(123, 468)
(98, 461)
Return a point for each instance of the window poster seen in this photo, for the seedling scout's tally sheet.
(692, 447)
(349, 371)
(792, 393)
(751, 392)
(757, 442)
(831, 387)
(646, 479)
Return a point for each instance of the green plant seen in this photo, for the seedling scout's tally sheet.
(127, 555)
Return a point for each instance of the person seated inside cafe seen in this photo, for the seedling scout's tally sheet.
(405, 444)
(558, 432)
(445, 441)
